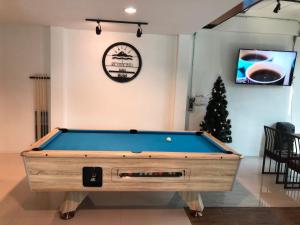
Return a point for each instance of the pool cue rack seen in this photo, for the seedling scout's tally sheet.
(41, 104)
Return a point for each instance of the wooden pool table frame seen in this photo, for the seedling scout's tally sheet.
(59, 170)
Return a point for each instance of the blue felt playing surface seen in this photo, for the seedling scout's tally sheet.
(143, 141)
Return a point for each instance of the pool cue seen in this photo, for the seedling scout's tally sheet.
(46, 108)
(39, 107)
(48, 102)
(43, 106)
(35, 109)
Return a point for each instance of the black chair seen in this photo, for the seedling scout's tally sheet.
(276, 149)
(292, 172)
(285, 127)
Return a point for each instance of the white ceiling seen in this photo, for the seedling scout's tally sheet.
(289, 10)
(164, 16)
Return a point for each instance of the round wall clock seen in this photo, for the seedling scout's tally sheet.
(121, 62)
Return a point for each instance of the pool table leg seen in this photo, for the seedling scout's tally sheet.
(72, 201)
(193, 201)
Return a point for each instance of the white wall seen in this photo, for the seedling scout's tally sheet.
(183, 76)
(58, 76)
(250, 107)
(24, 51)
(92, 100)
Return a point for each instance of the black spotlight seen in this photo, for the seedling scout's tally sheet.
(139, 31)
(278, 7)
(98, 29)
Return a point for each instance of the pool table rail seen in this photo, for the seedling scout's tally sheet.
(44, 139)
(126, 154)
(222, 145)
(36, 151)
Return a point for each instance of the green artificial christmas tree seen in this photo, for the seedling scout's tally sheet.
(215, 121)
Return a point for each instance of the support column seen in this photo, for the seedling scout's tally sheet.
(70, 204)
(193, 201)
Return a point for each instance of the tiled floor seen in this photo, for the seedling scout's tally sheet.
(249, 216)
(252, 189)
(20, 206)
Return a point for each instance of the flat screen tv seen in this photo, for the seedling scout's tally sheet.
(265, 67)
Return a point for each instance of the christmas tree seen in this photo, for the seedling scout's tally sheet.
(215, 121)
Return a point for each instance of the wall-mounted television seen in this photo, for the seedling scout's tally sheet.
(265, 67)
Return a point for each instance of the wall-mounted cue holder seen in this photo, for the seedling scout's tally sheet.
(41, 93)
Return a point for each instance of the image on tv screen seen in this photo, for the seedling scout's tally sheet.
(265, 67)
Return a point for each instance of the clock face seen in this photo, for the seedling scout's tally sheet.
(122, 62)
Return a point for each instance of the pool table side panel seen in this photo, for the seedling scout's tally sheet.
(236, 171)
(65, 174)
(27, 170)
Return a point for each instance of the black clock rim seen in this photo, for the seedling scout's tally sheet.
(137, 53)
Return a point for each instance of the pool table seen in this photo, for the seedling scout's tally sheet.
(82, 161)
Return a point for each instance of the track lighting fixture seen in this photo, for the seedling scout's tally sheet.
(98, 28)
(139, 31)
(278, 7)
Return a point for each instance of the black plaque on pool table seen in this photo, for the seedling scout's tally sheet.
(92, 176)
